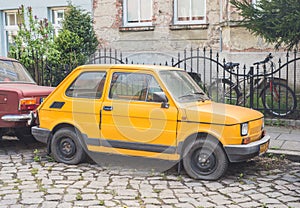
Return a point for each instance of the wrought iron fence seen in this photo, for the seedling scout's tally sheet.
(43, 71)
(263, 86)
(270, 87)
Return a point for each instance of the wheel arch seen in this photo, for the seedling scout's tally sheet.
(194, 137)
(58, 127)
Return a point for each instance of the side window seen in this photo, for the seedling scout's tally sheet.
(134, 86)
(87, 85)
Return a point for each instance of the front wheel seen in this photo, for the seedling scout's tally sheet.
(66, 147)
(278, 99)
(205, 159)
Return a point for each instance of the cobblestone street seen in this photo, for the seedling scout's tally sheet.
(29, 178)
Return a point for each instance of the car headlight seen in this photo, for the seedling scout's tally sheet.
(244, 129)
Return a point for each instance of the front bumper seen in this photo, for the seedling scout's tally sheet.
(239, 153)
(40, 134)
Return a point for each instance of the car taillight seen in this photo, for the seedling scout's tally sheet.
(27, 104)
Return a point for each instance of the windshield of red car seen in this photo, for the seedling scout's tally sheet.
(13, 71)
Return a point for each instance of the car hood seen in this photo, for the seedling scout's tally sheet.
(27, 90)
(218, 113)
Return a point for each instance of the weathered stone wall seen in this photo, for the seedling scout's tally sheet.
(162, 41)
(218, 33)
(163, 36)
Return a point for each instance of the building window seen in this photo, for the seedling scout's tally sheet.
(189, 11)
(137, 12)
(58, 15)
(11, 26)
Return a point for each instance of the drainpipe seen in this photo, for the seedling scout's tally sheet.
(221, 39)
(220, 26)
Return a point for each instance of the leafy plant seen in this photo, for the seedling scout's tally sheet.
(277, 21)
(34, 171)
(33, 42)
(50, 158)
(36, 156)
(101, 203)
(77, 39)
(78, 197)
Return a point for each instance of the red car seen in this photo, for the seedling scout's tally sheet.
(19, 97)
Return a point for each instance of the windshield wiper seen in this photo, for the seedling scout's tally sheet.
(192, 94)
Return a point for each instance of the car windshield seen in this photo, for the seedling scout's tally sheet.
(182, 87)
(14, 72)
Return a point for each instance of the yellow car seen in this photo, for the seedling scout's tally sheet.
(147, 111)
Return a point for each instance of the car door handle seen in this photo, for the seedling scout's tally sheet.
(107, 108)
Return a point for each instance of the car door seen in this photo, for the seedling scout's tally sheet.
(85, 94)
(134, 121)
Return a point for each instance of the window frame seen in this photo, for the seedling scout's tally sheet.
(94, 94)
(141, 24)
(54, 19)
(128, 97)
(10, 29)
(187, 22)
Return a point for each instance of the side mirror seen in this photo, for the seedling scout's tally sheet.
(160, 97)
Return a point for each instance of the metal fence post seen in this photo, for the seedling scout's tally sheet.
(251, 86)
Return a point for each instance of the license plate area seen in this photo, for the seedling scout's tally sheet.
(263, 148)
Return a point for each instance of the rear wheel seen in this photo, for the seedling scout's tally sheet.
(24, 134)
(278, 99)
(205, 159)
(66, 148)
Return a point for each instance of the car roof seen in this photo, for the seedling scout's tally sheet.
(128, 67)
(7, 59)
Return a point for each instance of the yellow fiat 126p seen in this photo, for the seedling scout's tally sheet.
(147, 111)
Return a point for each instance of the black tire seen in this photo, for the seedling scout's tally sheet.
(278, 99)
(224, 91)
(214, 160)
(66, 147)
(24, 134)
(1, 133)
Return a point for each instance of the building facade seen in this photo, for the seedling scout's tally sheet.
(53, 10)
(156, 28)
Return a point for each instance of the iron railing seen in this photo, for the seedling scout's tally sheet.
(208, 69)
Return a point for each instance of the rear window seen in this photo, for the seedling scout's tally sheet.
(13, 71)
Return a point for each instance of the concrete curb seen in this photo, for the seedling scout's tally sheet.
(282, 122)
(288, 154)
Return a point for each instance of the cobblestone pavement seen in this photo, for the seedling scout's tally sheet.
(29, 178)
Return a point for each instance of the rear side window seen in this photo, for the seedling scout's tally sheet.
(87, 85)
